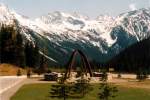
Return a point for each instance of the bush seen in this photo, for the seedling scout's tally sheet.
(19, 72)
(119, 75)
(28, 73)
(141, 76)
(107, 92)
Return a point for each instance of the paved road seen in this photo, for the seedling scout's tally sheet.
(8, 85)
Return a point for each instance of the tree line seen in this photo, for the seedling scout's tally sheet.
(15, 50)
(134, 59)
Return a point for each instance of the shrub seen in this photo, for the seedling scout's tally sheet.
(19, 72)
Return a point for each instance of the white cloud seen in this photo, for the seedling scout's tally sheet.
(132, 6)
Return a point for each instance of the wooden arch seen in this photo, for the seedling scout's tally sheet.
(86, 64)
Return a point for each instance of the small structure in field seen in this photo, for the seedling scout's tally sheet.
(86, 67)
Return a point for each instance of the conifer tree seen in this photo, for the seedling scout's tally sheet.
(106, 91)
(32, 55)
(141, 74)
(81, 87)
(60, 90)
(11, 46)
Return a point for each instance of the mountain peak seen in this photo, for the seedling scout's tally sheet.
(6, 15)
(64, 32)
(3, 9)
(3, 6)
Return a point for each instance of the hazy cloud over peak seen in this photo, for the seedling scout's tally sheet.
(132, 6)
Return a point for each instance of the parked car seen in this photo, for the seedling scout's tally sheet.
(50, 76)
(97, 74)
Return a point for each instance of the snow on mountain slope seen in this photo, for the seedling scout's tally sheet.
(78, 27)
(5, 15)
(136, 23)
(101, 38)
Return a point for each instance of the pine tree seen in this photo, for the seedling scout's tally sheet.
(32, 55)
(19, 72)
(60, 90)
(28, 54)
(106, 91)
(81, 87)
(7, 44)
(19, 52)
(11, 46)
(141, 74)
(43, 62)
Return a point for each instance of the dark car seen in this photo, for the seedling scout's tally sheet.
(50, 76)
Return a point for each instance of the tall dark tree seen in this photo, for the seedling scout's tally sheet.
(15, 50)
(32, 55)
(7, 44)
(20, 51)
(60, 90)
(11, 46)
(81, 87)
(106, 91)
(141, 74)
(43, 61)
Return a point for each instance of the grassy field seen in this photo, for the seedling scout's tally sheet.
(41, 92)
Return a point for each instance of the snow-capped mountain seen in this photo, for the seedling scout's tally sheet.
(79, 27)
(101, 38)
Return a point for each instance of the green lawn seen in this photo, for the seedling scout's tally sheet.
(41, 92)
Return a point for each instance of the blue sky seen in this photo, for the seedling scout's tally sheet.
(92, 8)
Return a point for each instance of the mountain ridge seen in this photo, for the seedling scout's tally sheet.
(101, 39)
